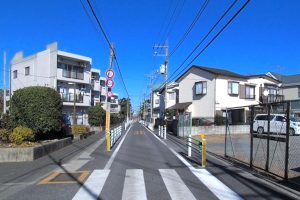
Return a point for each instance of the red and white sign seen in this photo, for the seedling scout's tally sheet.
(110, 74)
(109, 94)
(110, 83)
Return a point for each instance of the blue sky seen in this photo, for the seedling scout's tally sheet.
(264, 37)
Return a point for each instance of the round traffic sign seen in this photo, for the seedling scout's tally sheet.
(110, 73)
(110, 83)
(109, 94)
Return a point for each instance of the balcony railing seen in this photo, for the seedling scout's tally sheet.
(72, 74)
(274, 98)
(70, 98)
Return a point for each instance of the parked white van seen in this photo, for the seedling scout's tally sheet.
(277, 124)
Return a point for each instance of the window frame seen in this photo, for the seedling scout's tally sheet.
(15, 74)
(27, 73)
(203, 88)
(248, 96)
(230, 87)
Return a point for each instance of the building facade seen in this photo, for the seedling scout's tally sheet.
(70, 74)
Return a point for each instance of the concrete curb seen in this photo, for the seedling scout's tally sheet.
(32, 153)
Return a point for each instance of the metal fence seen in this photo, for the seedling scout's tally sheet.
(272, 142)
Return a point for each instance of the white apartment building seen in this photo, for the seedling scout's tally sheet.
(207, 92)
(70, 74)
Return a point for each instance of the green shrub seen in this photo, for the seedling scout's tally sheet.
(4, 134)
(6, 122)
(115, 119)
(39, 108)
(79, 129)
(96, 115)
(21, 134)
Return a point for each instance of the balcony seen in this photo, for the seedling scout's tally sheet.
(96, 85)
(70, 98)
(271, 98)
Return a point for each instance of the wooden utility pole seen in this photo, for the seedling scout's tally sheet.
(107, 121)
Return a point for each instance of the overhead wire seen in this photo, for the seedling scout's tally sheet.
(109, 44)
(190, 28)
(210, 42)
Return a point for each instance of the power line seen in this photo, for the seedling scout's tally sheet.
(206, 36)
(215, 37)
(108, 42)
(190, 28)
(210, 42)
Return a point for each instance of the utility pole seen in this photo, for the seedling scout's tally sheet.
(107, 121)
(4, 82)
(166, 47)
(74, 106)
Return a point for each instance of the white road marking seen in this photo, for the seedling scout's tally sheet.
(218, 188)
(93, 186)
(80, 160)
(134, 185)
(175, 185)
(111, 159)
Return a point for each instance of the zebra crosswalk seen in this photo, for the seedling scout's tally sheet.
(134, 185)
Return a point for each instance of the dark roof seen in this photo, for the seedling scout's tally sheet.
(288, 79)
(215, 71)
(180, 105)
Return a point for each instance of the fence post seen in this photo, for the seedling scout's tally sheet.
(203, 152)
(165, 132)
(226, 128)
(189, 146)
(268, 139)
(159, 130)
(251, 135)
(286, 170)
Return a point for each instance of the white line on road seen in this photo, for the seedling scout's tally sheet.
(175, 185)
(218, 188)
(93, 186)
(111, 159)
(134, 186)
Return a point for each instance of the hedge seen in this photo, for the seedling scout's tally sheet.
(38, 108)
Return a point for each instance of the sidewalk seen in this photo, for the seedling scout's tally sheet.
(231, 174)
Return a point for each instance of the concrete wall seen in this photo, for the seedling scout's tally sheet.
(202, 105)
(31, 153)
(291, 93)
(234, 129)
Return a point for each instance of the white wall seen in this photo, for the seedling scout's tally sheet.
(290, 93)
(202, 105)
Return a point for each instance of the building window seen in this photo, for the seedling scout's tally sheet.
(172, 96)
(250, 92)
(27, 71)
(156, 101)
(233, 88)
(200, 87)
(71, 71)
(15, 74)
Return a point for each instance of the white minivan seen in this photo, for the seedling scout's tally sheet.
(277, 124)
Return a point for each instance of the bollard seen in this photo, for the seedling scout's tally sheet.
(159, 131)
(165, 132)
(203, 152)
(189, 146)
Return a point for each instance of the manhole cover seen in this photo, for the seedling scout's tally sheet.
(65, 178)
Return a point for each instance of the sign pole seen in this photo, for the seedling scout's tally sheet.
(107, 118)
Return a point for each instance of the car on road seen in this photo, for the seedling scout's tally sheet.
(277, 124)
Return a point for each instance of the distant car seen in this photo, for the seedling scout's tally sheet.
(277, 124)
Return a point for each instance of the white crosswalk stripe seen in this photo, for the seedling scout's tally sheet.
(92, 187)
(175, 185)
(134, 186)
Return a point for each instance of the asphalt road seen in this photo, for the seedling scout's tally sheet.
(141, 166)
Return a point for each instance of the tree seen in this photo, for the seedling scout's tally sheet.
(38, 108)
(123, 104)
(96, 115)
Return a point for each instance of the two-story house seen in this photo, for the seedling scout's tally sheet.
(70, 74)
(208, 92)
(171, 98)
(290, 89)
